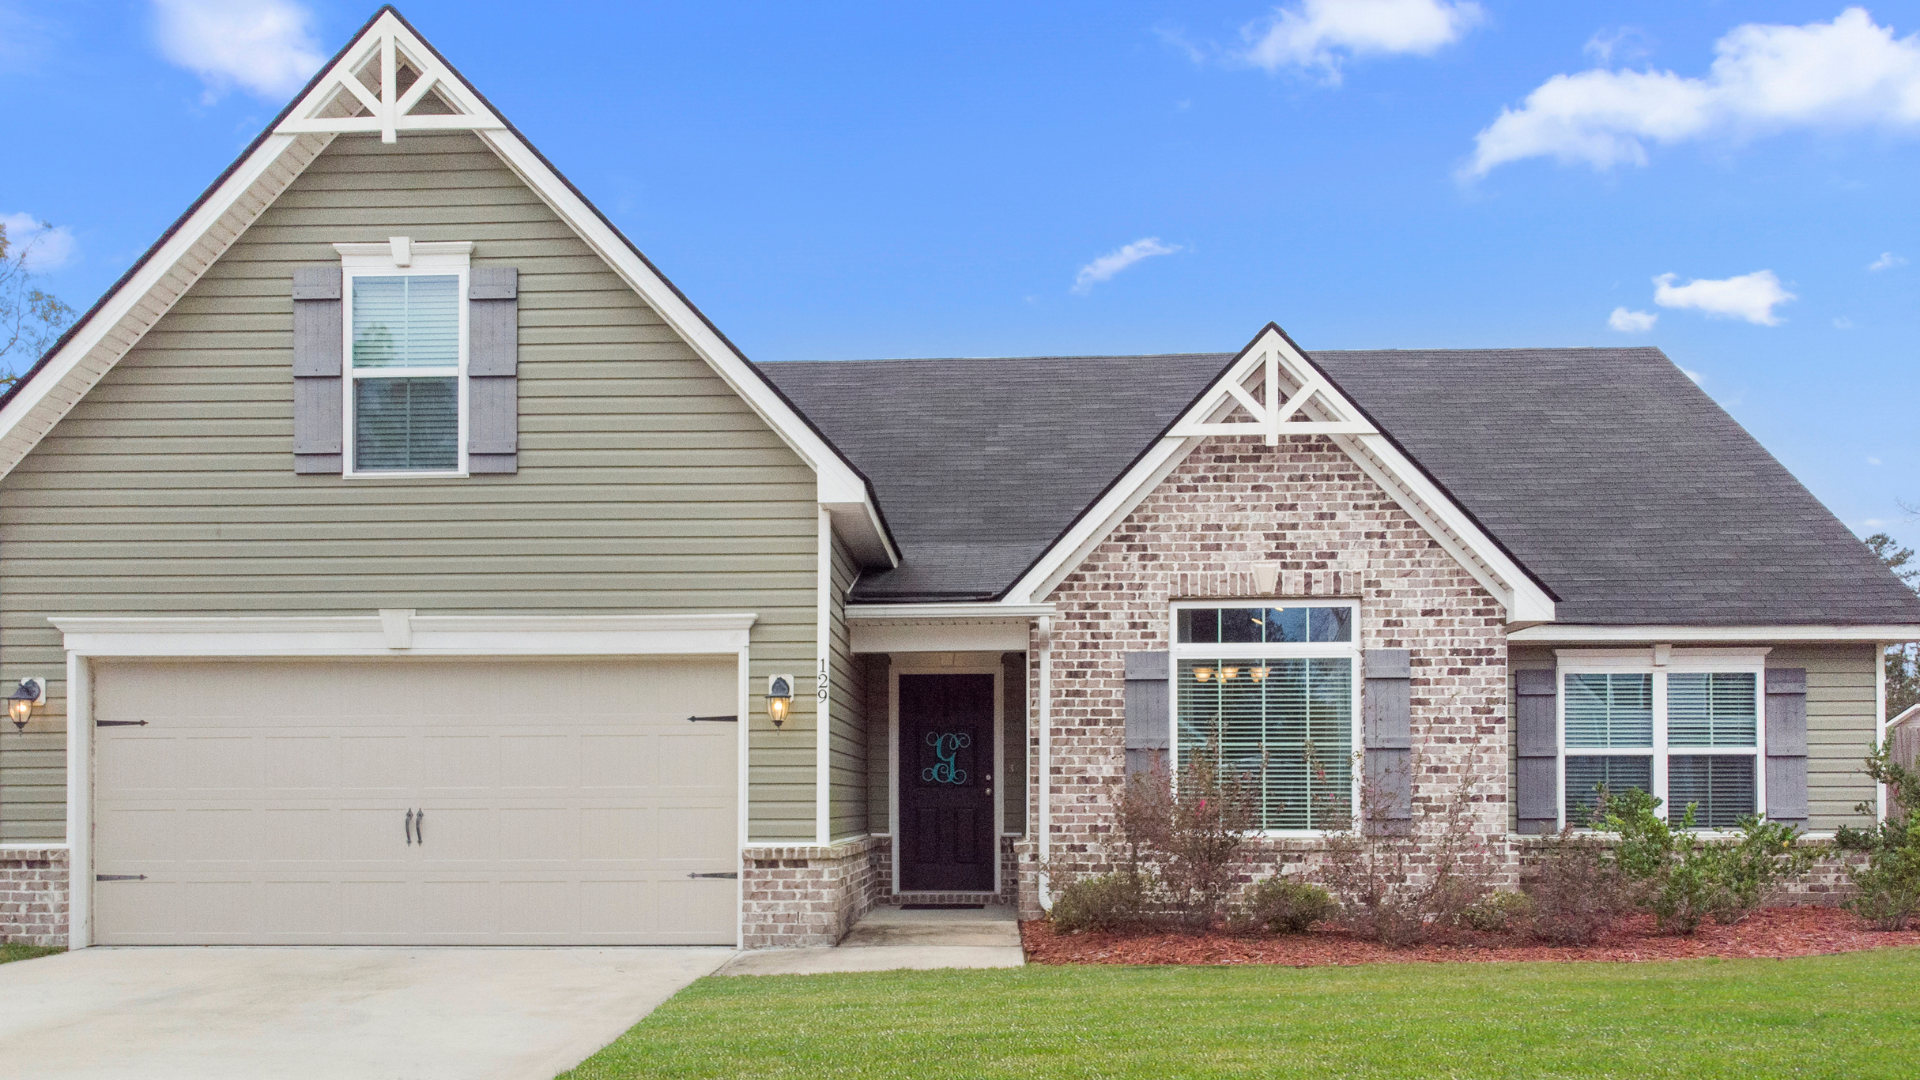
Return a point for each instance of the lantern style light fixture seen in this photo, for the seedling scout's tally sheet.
(779, 698)
(20, 703)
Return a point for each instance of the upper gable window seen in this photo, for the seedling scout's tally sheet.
(405, 405)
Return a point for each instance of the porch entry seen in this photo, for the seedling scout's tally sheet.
(947, 841)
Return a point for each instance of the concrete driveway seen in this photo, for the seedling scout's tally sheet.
(296, 1014)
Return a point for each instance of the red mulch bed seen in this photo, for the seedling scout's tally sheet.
(1768, 933)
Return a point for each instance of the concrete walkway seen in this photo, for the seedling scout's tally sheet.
(887, 939)
(320, 1013)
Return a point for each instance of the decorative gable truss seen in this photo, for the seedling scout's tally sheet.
(389, 81)
(1272, 389)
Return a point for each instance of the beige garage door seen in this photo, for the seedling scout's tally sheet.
(554, 802)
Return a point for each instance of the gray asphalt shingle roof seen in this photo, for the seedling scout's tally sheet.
(1606, 472)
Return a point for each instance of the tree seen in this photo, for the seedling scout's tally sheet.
(1903, 661)
(30, 319)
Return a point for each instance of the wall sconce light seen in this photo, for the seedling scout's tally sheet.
(20, 703)
(1202, 674)
(779, 698)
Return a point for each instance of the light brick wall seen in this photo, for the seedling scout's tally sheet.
(33, 895)
(807, 895)
(1305, 506)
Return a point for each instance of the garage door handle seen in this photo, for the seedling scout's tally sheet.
(419, 830)
(409, 828)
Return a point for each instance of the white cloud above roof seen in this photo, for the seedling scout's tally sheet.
(1765, 78)
(47, 247)
(1106, 266)
(1749, 296)
(1632, 322)
(265, 47)
(1322, 34)
(1887, 261)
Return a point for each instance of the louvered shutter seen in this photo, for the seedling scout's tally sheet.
(1787, 745)
(1147, 710)
(1537, 746)
(318, 343)
(493, 367)
(1387, 731)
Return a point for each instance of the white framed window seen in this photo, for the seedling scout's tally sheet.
(1270, 694)
(1689, 731)
(405, 315)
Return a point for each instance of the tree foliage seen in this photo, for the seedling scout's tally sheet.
(31, 319)
(1903, 661)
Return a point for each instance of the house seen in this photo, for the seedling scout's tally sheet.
(405, 560)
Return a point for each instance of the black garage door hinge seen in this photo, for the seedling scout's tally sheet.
(119, 877)
(731, 875)
(714, 719)
(119, 723)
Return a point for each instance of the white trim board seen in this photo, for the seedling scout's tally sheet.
(311, 123)
(1323, 410)
(1553, 634)
(423, 635)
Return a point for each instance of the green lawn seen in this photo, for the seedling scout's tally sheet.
(10, 953)
(1853, 1016)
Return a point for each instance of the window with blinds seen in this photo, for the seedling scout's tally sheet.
(405, 374)
(1266, 696)
(1687, 737)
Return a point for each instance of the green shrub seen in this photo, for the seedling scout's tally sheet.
(1103, 902)
(1683, 878)
(1285, 905)
(1887, 889)
(1498, 912)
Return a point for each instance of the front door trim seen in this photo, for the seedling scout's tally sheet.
(188, 637)
(920, 663)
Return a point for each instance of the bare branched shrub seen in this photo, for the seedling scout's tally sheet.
(1397, 881)
(1577, 890)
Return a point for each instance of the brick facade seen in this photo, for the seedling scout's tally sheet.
(806, 895)
(1307, 508)
(33, 895)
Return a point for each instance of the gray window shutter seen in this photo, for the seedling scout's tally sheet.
(1787, 745)
(1147, 710)
(318, 342)
(1537, 742)
(1387, 735)
(493, 366)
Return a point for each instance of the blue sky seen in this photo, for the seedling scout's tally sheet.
(861, 180)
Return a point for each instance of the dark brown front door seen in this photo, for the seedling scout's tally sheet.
(946, 783)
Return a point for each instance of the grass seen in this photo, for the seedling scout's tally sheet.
(1850, 1015)
(10, 953)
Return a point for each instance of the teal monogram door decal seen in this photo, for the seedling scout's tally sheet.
(945, 747)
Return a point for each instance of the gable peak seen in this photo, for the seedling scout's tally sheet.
(388, 80)
(1271, 389)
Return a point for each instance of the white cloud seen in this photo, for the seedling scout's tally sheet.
(1632, 322)
(1887, 261)
(48, 249)
(1322, 34)
(1875, 461)
(1626, 42)
(1846, 73)
(1104, 267)
(1841, 322)
(1750, 296)
(1872, 523)
(263, 46)
(1697, 377)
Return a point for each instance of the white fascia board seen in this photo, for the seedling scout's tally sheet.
(1376, 455)
(939, 636)
(970, 609)
(1554, 634)
(432, 635)
(838, 482)
(63, 382)
(1447, 523)
(1094, 526)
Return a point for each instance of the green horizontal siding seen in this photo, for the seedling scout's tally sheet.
(848, 714)
(645, 483)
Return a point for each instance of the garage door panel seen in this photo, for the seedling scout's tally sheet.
(278, 814)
